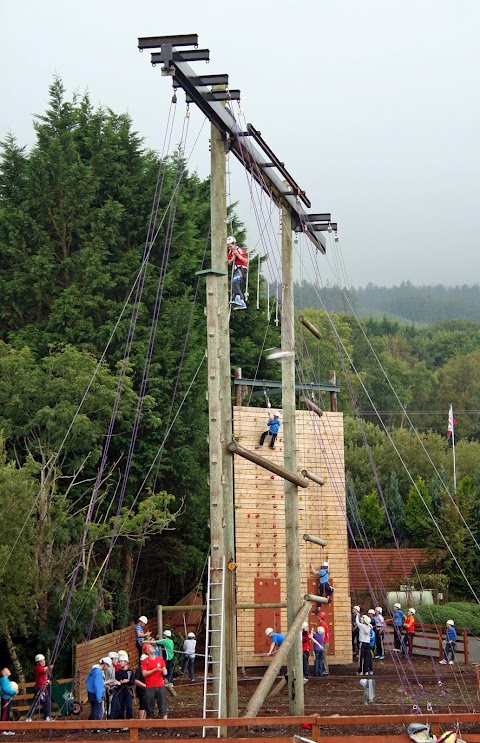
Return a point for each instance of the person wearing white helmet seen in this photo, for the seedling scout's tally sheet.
(379, 634)
(364, 636)
(167, 645)
(409, 627)
(188, 657)
(276, 637)
(273, 427)
(125, 680)
(238, 260)
(141, 635)
(449, 645)
(96, 687)
(41, 690)
(397, 619)
(110, 685)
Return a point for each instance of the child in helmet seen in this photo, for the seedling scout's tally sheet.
(397, 619)
(409, 627)
(123, 704)
(7, 692)
(322, 622)
(379, 634)
(273, 424)
(237, 258)
(41, 689)
(188, 658)
(365, 654)
(276, 637)
(450, 642)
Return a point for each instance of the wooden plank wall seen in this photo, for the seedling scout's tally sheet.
(260, 525)
(383, 569)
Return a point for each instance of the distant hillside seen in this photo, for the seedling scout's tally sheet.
(415, 304)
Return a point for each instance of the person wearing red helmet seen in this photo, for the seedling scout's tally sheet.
(326, 640)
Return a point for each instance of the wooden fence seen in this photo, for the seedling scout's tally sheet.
(25, 696)
(320, 729)
(429, 640)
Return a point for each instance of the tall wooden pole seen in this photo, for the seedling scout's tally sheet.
(220, 433)
(292, 539)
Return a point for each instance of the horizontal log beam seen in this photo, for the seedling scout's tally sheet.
(268, 465)
(311, 406)
(310, 537)
(314, 478)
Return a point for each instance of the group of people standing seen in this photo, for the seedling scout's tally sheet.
(368, 636)
(317, 640)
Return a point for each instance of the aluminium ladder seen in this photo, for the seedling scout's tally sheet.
(214, 642)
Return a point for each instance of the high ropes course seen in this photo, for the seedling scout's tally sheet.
(277, 211)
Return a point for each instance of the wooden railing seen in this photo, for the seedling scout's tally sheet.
(23, 700)
(320, 728)
(436, 634)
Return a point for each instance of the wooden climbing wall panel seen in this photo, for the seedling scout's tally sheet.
(267, 591)
(260, 528)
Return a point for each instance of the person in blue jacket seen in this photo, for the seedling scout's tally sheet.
(398, 619)
(7, 692)
(95, 684)
(276, 637)
(450, 642)
(273, 424)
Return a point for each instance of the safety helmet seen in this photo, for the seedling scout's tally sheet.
(269, 631)
(397, 606)
(147, 646)
(321, 630)
(305, 625)
(371, 611)
(412, 611)
(356, 608)
(143, 656)
(450, 622)
(106, 662)
(191, 635)
(322, 615)
(14, 687)
(379, 609)
(143, 619)
(39, 657)
(276, 415)
(325, 564)
(366, 620)
(167, 633)
(231, 239)
(112, 654)
(123, 656)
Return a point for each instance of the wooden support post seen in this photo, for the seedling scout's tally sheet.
(313, 478)
(291, 639)
(160, 620)
(311, 406)
(296, 694)
(267, 464)
(220, 432)
(332, 378)
(238, 387)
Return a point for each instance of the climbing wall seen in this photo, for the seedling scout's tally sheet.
(260, 530)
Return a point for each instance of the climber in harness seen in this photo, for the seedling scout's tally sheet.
(237, 258)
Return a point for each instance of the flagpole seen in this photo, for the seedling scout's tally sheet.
(452, 426)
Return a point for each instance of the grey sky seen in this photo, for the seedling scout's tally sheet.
(373, 105)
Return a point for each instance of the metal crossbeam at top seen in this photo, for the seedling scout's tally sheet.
(270, 173)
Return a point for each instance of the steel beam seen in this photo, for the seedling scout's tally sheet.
(154, 42)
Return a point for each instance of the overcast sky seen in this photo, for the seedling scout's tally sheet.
(373, 105)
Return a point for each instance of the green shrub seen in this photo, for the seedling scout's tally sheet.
(465, 615)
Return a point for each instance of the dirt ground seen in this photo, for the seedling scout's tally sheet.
(398, 688)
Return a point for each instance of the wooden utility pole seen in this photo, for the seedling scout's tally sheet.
(220, 435)
(292, 546)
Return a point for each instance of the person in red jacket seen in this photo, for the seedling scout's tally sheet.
(409, 627)
(237, 258)
(154, 670)
(41, 689)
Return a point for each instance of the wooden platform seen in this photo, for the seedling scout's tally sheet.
(260, 529)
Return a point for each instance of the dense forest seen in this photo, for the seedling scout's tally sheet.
(408, 303)
(104, 496)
